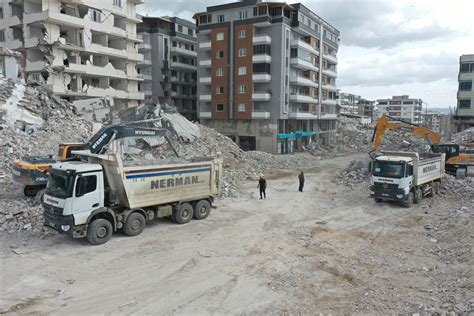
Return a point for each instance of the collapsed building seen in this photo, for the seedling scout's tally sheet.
(78, 49)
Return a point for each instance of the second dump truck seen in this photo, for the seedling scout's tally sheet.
(102, 193)
(406, 177)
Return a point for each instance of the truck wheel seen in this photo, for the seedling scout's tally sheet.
(461, 172)
(202, 209)
(418, 196)
(134, 224)
(99, 231)
(31, 190)
(183, 214)
(378, 200)
(409, 201)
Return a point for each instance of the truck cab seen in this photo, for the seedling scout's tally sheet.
(392, 178)
(74, 191)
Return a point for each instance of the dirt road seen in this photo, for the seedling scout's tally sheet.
(329, 249)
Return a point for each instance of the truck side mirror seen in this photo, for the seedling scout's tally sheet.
(80, 186)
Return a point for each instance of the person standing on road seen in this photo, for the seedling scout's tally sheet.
(301, 178)
(262, 185)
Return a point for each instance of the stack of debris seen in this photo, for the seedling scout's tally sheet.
(356, 173)
(57, 123)
(464, 136)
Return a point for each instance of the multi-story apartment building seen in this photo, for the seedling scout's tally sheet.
(432, 120)
(402, 107)
(366, 108)
(348, 103)
(464, 117)
(79, 48)
(169, 66)
(267, 74)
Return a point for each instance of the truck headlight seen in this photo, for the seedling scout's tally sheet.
(399, 196)
(65, 228)
(372, 192)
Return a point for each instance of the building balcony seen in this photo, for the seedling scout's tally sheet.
(119, 53)
(331, 58)
(465, 76)
(205, 97)
(260, 115)
(205, 45)
(205, 80)
(329, 87)
(261, 58)
(329, 101)
(144, 47)
(205, 62)
(35, 66)
(205, 115)
(327, 116)
(182, 51)
(97, 71)
(330, 73)
(261, 96)
(175, 64)
(302, 98)
(147, 77)
(31, 42)
(148, 93)
(144, 63)
(261, 77)
(262, 39)
(303, 64)
(302, 81)
(302, 44)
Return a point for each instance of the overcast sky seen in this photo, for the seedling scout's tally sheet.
(387, 47)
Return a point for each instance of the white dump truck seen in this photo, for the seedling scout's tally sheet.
(406, 177)
(101, 194)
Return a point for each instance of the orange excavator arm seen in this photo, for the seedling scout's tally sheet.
(383, 124)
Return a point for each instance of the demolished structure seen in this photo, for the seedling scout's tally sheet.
(79, 49)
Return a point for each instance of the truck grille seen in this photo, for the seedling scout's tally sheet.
(52, 215)
(386, 186)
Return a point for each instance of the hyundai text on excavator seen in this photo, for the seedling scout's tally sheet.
(457, 163)
(31, 171)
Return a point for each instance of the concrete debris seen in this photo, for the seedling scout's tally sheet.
(464, 136)
(61, 124)
(356, 173)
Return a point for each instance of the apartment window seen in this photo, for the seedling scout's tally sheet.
(261, 68)
(95, 15)
(465, 85)
(220, 54)
(243, 15)
(241, 107)
(2, 36)
(220, 18)
(242, 52)
(180, 28)
(242, 71)
(465, 104)
(242, 33)
(260, 10)
(220, 72)
(465, 67)
(302, 18)
(261, 49)
(219, 90)
(117, 3)
(242, 89)
(190, 32)
(1, 12)
(220, 36)
(220, 107)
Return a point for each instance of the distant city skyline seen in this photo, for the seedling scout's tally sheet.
(387, 47)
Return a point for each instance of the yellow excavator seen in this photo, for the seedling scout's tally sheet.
(456, 162)
(31, 171)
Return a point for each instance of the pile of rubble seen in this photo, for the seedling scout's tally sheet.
(464, 136)
(356, 173)
(19, 137)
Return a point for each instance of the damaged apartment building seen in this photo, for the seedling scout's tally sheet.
(169, 66)
(267, 75)
(78, 48)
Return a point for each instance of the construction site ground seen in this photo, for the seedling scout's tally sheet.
(330, 249)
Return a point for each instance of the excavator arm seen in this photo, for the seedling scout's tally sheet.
(99, 142)
(384, 124)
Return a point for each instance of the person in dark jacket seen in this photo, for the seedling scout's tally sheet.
(301, 178)
(262, 185)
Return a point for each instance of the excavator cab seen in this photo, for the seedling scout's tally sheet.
(65, 150)
(451, 150)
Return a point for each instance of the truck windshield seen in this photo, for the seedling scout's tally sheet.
(388, 169)
(60, 186)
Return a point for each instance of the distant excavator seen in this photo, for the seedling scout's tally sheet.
(31, 171)
(456, 162)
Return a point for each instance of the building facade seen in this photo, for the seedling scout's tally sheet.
(432, 120)
(464, 117)
(78, 48)
(169, 66)
(348, 103)
(267, 74)
(403, 108)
